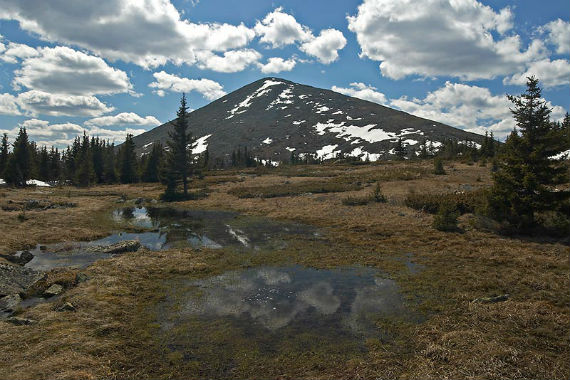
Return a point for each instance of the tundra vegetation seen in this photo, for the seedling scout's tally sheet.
(491, 299)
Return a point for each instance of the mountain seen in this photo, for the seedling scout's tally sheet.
(273, 117)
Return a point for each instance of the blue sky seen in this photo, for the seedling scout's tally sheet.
(113, 67)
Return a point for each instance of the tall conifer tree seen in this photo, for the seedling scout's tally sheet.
(527, 174)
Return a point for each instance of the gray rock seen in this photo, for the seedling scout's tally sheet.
(53, 290)
(20, 321)
(9, 303)
(81, 277)
(68, 306)
(16, 279)
(123, 246)
(492, 299)
(26, 257)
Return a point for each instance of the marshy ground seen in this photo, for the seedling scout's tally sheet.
(334, 291)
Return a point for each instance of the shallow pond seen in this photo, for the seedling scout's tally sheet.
(270, 310)
(176, 228)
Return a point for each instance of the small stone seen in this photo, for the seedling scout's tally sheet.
(20, 321)
(81, 277)
(25, 257)
(123, 246)
(68, 306)
(493, 299)
(139, 201)
(10, 302)
(53, 290)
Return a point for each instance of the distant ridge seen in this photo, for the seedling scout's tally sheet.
(273, 117)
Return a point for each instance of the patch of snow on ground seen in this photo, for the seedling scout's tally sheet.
(37, 182)
(238, 235)
(351, 132)
(298, 122)
(563, 155)
(339, 112)
(291, 149)
(409, 131)
(147, 145)
(200, 145)
(350, 118)
(303, 96)
(2, 182)
(283, 98)
(322, 109)
(267, 141)
(470, 143)
(264, 89)
(410, 142)
(327, 151)
(268, 162)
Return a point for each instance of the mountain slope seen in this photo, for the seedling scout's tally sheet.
(272, 117)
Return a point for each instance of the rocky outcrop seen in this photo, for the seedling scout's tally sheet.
(122, 247)
(53, 290)
(15, 279)
(9, 303)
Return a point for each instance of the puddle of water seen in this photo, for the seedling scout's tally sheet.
(274, 305)
(176, 228)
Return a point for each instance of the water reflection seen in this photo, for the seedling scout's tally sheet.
(308, 299)
(209, 229)
(176, 228)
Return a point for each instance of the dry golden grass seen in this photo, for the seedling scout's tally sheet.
(111, 333)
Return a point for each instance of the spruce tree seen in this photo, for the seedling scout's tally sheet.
(525, 180)
(19, 166)
(85, 174)
(3, 154)
(153, 163)
(44, 167)
(54, 164)
(400, 150)
(178, 159)
(128, 161)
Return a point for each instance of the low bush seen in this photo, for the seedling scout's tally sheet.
(292, 189)
(464, 202)
(356, 201)
(446, 218)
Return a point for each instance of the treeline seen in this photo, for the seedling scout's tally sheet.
(87, 161)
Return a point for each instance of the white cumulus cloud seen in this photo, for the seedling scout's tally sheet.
(362, 91)
(471, 108)
(230, 62)
(9, 105)
(148, 33)
(277, 65)
(440, 37)
(62, 70)
(38, 102)
(325, 47)
(559, 35)
(551, 73)
(279, 29)
(123, 118)
(168, 82)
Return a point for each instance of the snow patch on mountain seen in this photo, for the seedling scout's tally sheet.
(327, 151)
(200, 145)
(267, 141)
(244, 105)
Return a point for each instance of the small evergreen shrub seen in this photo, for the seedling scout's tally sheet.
(438, 166)
(446, 218)
(464, 202)
(377, 195)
